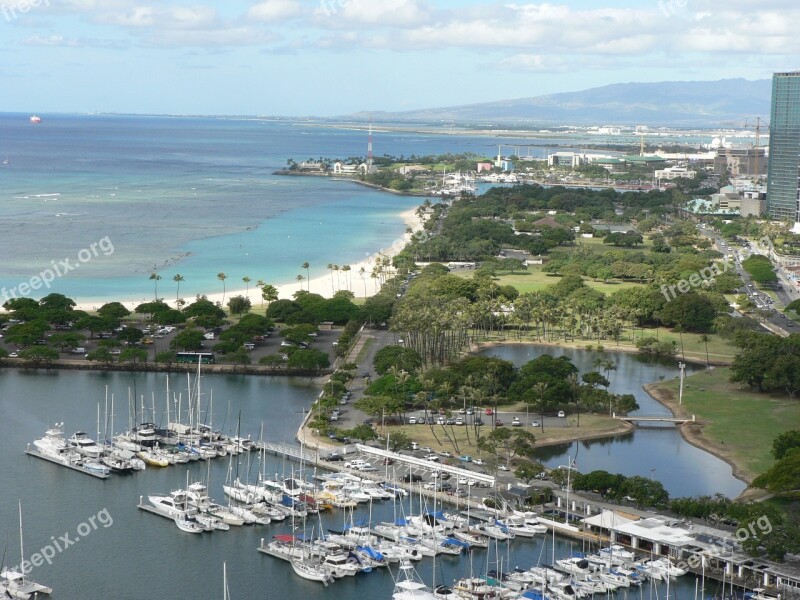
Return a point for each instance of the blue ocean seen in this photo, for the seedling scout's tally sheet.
(190, 196)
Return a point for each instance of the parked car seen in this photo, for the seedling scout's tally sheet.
(446, 454)
(515, 422)
(503, 468)
(489, 412)
(335, 458)
(412, 420)
(459, 421)
(465, 458)
(477, 461)
(534, 423)
(561, 414)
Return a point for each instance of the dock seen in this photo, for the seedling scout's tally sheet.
(74, 466)
(287, 450)
(150, 509)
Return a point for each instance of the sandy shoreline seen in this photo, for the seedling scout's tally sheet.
(324, 285)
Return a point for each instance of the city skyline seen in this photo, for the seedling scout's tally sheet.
(274, 56)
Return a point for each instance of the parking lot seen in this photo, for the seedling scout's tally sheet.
(461, 479)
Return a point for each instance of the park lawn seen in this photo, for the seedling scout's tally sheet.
(534, 280)
(591, 426)
(596, 245)
(741, 423)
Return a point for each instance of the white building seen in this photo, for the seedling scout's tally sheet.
(671, 173)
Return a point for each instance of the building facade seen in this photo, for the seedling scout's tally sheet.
(783, 181)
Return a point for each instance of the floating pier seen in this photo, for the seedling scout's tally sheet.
(74, 466)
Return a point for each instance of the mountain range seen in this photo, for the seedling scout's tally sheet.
(669, 103)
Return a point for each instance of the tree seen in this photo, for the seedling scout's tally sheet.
(692, 311)
(39, 355)
(222, 277)
(66, 341)
(165, 357)
(300, 279)
(405, 359)
(527, 472)
(239, 305)
(362, 432)
(269, 293)
(307, 267)
(240, 357)
(783, 476)
(704, 339)
(647, 492)
(399, 441)
(102, 354)
(308, 360)
(177, 278)
(786, 443)
(113, 310)
(131, 335)
(155, 277)
(246, 280)
(188, 340)
(511, 443)
(133, 355)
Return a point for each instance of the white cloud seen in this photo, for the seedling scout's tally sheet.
(275, 10)
(60, 41)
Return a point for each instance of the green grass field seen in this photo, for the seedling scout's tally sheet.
(741, 424)
(534, 280)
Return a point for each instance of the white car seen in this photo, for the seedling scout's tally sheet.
(561, 414)
(477, 461)
(432, 457)
(503, 468)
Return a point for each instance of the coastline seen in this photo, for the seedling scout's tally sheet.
(324, 285)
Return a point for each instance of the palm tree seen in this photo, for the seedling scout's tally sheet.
(269, 293)
(346, 269)
(336, 268)
(155, 277)
(300, 278)
(246, 279)
(541, 388)
(307, 267)
(330, 268)
(704, 339)
(222, 277)
(177, 279)
(361, 272)
(260, 285)
(574, 386)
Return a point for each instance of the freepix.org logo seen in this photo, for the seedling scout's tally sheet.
(58, 269)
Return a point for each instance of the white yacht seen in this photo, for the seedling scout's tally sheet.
(409, 586)
(53, 446)
(84, 445)
(174, 505)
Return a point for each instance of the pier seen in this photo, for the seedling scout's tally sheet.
(287, 450)
(74, 466)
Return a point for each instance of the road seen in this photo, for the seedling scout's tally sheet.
(785, 293)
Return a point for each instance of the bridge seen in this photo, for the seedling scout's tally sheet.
(634, 419)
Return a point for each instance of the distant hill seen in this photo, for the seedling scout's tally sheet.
(669, 103)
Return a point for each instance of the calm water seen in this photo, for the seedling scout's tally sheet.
(142, 556)
(190, 196)
(657, 451)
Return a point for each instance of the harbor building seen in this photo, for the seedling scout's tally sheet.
(783, 180)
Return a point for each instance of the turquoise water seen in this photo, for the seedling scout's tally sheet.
(190, 196)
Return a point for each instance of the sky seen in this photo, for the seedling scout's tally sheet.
(336, 57)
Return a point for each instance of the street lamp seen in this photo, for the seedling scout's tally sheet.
(682, 367)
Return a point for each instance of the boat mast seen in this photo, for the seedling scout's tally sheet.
(21, 548)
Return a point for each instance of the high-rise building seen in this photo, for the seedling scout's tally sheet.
(783, 180)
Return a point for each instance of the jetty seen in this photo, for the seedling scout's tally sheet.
(76, 466)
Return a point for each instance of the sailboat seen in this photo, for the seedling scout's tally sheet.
(226, 595)
(14, 583)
